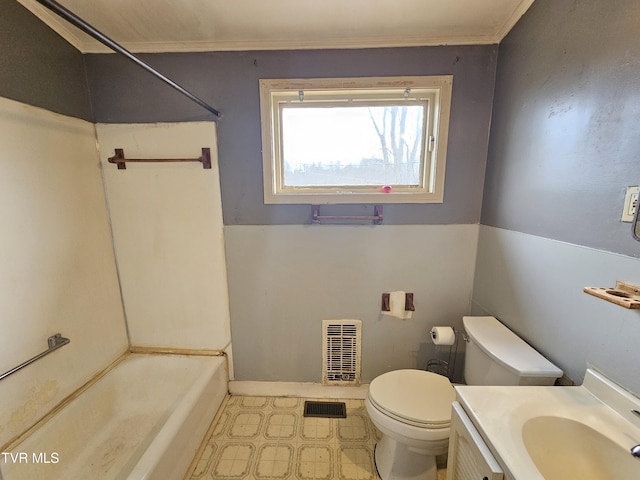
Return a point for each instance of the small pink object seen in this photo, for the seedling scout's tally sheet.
(386, 189)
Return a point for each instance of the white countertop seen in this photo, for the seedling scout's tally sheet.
(499, 412)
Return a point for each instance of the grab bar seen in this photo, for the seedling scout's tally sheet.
(55, 342)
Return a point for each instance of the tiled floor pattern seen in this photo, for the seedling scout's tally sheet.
(268, 438)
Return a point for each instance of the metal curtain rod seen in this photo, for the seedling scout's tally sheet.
(88, 29)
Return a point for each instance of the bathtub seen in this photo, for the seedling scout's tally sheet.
(144, 419)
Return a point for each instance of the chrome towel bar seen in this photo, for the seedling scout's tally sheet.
(55, 342)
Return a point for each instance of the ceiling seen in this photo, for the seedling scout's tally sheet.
(210, 25)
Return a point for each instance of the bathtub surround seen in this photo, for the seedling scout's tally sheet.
(58, 264)
(58, 269)
(59, 274)
(167, 232)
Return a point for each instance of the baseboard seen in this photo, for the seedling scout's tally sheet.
(297, 389)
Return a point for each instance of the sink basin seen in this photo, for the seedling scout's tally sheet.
(558, 433)
(562, 448)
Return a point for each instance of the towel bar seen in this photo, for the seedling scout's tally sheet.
(376, 219)
(120, 160)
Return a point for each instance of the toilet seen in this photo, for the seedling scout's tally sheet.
(412, 408)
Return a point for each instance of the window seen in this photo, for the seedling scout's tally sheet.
(355, 140)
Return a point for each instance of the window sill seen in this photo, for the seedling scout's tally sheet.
(352, 197)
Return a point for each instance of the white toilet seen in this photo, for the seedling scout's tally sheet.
(412, 408)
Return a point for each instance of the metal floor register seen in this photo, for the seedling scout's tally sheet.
(325, 409)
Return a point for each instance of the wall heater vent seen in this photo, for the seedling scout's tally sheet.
(341, 346)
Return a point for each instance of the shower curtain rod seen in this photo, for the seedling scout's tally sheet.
(88, 29)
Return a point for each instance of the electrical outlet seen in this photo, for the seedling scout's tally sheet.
(633, 204)
(630, 204)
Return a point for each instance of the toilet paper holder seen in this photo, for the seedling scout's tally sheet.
(408, 303)
(446, 368)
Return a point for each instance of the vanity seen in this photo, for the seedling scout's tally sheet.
(545, 433)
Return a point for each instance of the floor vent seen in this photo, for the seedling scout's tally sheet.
(325, 409)
(341, 346)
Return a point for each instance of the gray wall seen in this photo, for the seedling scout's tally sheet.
(565, 135)
(38, 67)
(534, 285)
(565, 140)
(121, 92)
(286, 277)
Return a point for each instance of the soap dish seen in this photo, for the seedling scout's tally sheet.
(623, 294)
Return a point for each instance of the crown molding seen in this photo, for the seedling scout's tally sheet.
(85, 44)
(334, 43)
(506, 27)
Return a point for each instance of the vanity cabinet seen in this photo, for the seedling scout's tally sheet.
(469, 457)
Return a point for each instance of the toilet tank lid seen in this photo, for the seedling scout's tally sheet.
(508, 349)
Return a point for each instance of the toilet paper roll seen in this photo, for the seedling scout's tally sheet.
(443, 336)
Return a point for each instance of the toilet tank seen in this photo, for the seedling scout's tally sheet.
(497, 356)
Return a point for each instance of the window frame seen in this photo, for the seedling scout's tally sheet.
(437, 90)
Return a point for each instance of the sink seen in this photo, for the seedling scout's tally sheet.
(563, 448)
(581, 432)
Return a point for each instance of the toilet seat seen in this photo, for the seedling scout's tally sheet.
(414, 397)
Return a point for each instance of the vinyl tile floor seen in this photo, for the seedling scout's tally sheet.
(268, 438)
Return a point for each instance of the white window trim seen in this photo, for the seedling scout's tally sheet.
(433, 191)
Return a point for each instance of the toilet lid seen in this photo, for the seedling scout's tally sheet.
(415, 397)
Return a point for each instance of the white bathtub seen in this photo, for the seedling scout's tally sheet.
(143, 420)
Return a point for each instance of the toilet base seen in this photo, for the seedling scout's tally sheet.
(396, 461)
